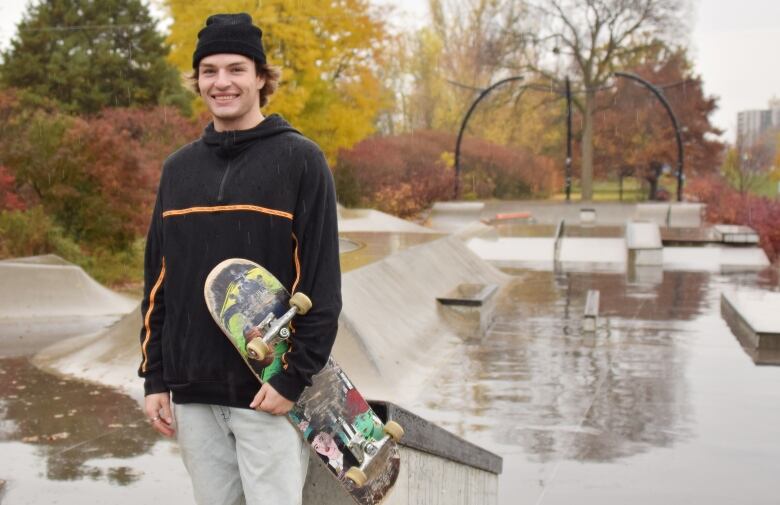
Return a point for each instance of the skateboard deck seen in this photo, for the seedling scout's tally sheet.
(254, 310)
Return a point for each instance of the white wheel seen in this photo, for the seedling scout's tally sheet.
(395, 430)
(257, 349)
(357, 476)
(301, 302)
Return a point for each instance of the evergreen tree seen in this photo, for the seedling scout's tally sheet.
(90, 54)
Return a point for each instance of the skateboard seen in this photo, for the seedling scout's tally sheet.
(255, 311)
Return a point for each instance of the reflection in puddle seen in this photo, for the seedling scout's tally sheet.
(537, 379)
(71, 422)
(61, 430)
(546, 395)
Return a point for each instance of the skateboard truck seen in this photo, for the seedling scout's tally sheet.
(366, 450)
(272, 328)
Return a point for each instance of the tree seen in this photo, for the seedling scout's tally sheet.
(749, 166)
(329, 51)
(593, 38)
(469, 45)
(91, 54)
(633, 133)
(94, 176)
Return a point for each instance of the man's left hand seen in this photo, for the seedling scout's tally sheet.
(268, 400)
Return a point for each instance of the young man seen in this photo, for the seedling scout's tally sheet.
(250, 187)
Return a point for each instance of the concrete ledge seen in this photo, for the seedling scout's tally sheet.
(469, 308)
(735, 234)
(754, 316)
(472, 295)
(424, 479)
(643, 241)
(425, 436)
(675, 214)
(591, 315)
(437, 468)
(682, 214)
(657, 213)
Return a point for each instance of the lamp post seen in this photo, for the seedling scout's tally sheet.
(660, 95)
(568, 139)
(465, 121)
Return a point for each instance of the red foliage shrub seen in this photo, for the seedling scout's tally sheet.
(404, 174)
(729, 206)
(96, 176)
(122, 151)
(9, 198)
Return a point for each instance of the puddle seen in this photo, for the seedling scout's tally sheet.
(655, 399)
(64, 440)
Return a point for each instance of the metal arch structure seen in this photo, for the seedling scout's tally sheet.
(485, 92)
(628, 75)
(661, 98)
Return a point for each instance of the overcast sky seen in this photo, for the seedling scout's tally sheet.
(735, 45)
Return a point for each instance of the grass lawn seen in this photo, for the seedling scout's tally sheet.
(609, 191)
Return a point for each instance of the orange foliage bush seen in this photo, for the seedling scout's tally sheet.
(404, 174)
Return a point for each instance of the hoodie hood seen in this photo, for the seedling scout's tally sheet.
(231, 143)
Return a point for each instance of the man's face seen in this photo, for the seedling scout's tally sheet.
(229, 85)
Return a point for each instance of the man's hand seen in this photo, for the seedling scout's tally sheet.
(158, 409)
(268, 400)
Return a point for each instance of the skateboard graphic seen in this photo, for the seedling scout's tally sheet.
(254, 310)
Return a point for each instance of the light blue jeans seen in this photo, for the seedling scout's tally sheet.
(241, 456)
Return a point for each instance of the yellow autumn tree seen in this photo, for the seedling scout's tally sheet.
(329, 51)
(469, 45)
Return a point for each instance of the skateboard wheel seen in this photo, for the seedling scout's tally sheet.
(257, 349)
(301, 302)
(395, 430)
(357, 476)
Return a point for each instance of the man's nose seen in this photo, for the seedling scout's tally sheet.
(222, 79)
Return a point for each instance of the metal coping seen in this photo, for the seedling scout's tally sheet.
(425, 436)
(482, 293)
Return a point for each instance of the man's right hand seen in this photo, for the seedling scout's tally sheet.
(158, 410)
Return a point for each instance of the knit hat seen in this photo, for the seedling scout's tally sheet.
(232, 34)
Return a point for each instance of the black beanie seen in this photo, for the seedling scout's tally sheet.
(232, 34)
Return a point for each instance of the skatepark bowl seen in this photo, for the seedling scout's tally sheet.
(660, 404)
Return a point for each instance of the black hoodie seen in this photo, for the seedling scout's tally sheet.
(265, 194)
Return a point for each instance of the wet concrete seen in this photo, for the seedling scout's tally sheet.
(67, 441)
(660, 405)
(371, 247)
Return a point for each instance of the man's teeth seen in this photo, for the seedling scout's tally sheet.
(225, 97)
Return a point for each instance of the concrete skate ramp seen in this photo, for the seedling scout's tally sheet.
(48, 289)
(358, 220)
(43, 259)
(450, 217)
(107, 356)
(392, 333)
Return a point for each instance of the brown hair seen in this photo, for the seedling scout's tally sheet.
(271, 73)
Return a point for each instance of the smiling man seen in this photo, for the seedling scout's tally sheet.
(251, 187)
